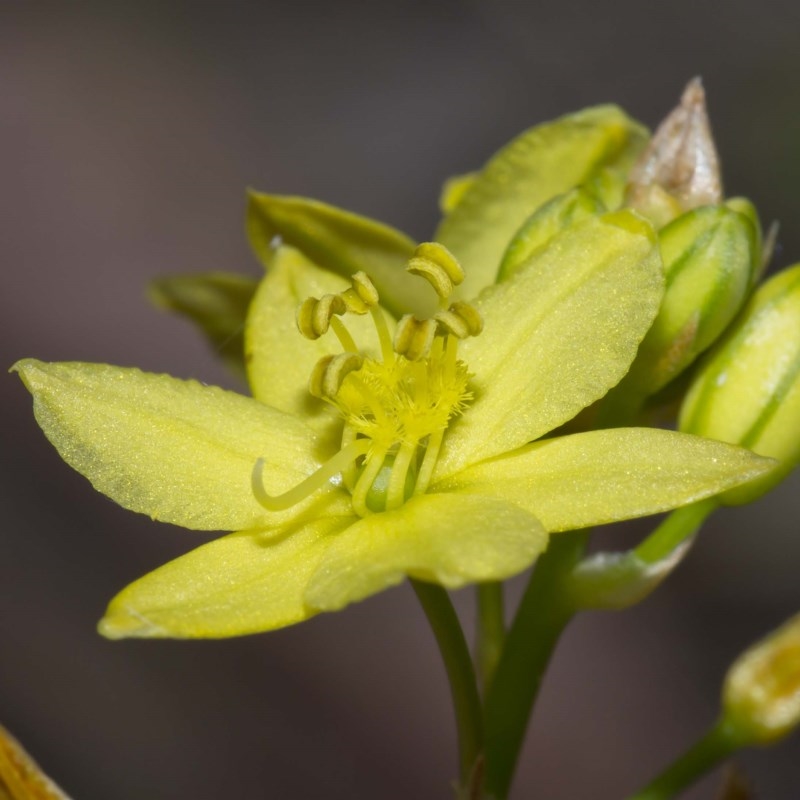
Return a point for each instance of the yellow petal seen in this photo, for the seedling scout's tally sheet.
(337, 240)
(279, 359)
(604, 476)
(21, 778)
(539, 164)
(446, 539)
(557, 335)
(176, 450)
(242, 583)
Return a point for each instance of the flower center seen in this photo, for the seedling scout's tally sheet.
(395, 408)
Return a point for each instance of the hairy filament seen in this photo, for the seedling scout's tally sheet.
(429, 461)
(395, 496)
(372, 467)
(384, 337)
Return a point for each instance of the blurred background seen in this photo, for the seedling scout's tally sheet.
(129, 133)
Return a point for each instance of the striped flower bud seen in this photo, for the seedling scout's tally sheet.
(710, 255)
(761, 695)
(748, 390)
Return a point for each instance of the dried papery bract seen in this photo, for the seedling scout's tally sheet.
(679, 170)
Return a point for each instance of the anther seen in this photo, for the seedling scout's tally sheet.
(329, 373)
(461, 319)
(435, 263)
(362, 295)
(413, 337)
(314, 316)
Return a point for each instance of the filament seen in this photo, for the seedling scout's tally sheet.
(371, 469)
(395, 494)
(343, 335)
(311, 484)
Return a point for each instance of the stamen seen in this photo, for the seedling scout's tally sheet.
(471, 316)
(429, 461)
(435, 263)
(312, 483)
(413, 337)
(314, 316)
(450, 353)
(372, 467)
(395, 496)
(384, 337)
(329, 372)
(343, 335)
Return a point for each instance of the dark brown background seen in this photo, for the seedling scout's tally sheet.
(129, 132)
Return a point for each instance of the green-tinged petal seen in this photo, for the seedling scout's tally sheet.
(553, 217)
(279, 359)
(454, 189)
(242, 583)
(176, 450)
(539, 164)
(446, 539)
(337, 240)
(557, 335)
(216, 302)
(604, 476)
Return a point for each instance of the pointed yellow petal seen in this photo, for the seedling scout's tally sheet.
(539, 164)
(446, 539)
(242, 583)
(337, 240)
(279, 359)
(21, 778)
(604, 476)
(557, 335)
(176, 450)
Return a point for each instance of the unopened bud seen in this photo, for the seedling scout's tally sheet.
(710, 256)
(748, 390)
(679, 170)
(553, 217)
(761, 695)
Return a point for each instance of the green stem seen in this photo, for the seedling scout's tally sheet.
(704, 755)
(460, 672)
(675, 529)
(491, 629)
(544, 612)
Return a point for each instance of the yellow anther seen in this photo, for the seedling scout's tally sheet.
(438, 266)
(470, 315)
(452, 323)
(365, 289)
(461, 320)
(314, 316)
(413, 337)
(362, 296)
(329, 373)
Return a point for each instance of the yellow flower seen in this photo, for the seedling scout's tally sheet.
(416, 461)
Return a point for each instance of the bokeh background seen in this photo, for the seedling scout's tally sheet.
(129, 133)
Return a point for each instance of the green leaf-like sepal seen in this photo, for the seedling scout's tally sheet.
(216, 302)
(337, 240)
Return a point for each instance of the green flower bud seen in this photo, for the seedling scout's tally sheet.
(761, 695)
(710, 255)
(553, 217)
(748, 390)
